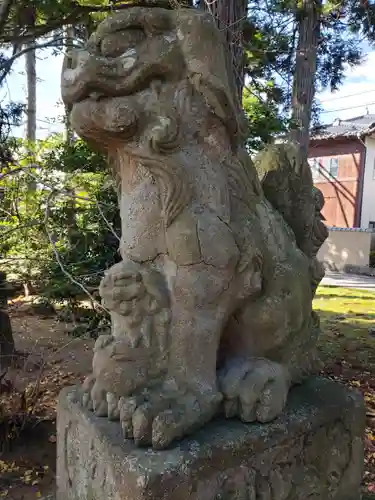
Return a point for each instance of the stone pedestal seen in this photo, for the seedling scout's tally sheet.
(314, 451)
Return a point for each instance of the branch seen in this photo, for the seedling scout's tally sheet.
(109, 225)
(35, 46)
(20, 226)
(7, 66)
(63, 192)
(78, 13)
(16, 171)
(59, 261)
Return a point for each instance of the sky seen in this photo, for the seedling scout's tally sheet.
(355, 97)
(49, 105)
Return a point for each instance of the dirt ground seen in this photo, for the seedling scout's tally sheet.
(56, 359)
(28, 445)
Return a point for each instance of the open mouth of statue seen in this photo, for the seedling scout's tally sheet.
(138, 81)
(95, 96)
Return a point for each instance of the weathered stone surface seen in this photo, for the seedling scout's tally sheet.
(313, 451)
(213, 298)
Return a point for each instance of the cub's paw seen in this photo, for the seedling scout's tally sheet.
(103, 341)
(118, 370)
(97, 399)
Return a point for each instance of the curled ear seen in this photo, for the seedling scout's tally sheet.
(209, 69)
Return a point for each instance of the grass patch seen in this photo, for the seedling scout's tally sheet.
(348, 349)
(346, 318)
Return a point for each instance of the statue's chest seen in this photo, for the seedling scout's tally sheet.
(142, 223)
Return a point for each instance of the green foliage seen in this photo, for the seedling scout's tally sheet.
(270, 34)
(38, 18)
(264, 120)
(271, 37)
(10, 116)
(59, 237)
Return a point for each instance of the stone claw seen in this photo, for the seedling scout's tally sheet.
(157, 417)
(112, 404)
(87, 401)
(87, 386)
(254, 390)
(100, 407)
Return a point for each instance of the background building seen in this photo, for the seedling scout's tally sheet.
(342, 159)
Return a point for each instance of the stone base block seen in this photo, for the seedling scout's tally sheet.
(313, 452)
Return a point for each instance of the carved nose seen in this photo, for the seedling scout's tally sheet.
(74, 75)
(76, 58)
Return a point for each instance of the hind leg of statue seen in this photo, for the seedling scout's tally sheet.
(254, 389)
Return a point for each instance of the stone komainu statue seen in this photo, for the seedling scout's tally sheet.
(212, 303)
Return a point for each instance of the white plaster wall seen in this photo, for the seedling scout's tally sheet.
(368, 199)
(344, 247)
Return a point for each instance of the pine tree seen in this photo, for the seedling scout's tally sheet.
(308, 19)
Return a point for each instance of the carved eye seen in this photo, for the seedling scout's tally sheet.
(157, 21)
(115, 44)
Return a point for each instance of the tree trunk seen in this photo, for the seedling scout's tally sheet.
(69, 39)
(29, 16)
(28, 288)
(31, 95)
(7, 349)
(308, 18)
(230, 16)
(70, 34)
(31, 109)
(30, 126)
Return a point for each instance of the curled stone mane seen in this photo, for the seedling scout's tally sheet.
(218, 100)
(174, 190)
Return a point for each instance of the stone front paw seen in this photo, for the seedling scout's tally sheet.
(254, 389)
(162, 414)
